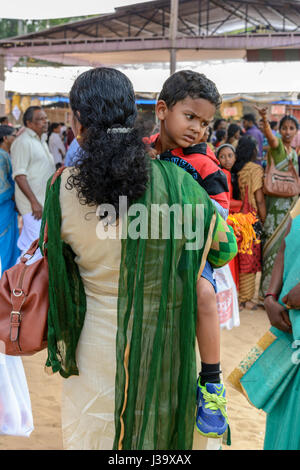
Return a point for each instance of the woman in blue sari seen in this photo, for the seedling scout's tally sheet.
(8, 215)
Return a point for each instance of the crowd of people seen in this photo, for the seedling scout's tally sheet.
(125, 312)
(243, 154)
(29, 156)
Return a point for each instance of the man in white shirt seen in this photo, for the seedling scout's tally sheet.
(56, 145)
(32, 165)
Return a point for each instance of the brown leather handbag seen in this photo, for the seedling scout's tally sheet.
(281, 183)
(24, 303)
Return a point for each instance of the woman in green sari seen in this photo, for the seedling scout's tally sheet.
(278, 208)
(123, 279)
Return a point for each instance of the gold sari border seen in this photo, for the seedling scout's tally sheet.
(253, 355)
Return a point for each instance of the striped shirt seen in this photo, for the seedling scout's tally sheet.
(201, 162)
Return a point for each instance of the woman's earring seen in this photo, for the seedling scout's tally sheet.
(78, 136)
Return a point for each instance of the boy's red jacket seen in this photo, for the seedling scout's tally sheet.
(201, 162)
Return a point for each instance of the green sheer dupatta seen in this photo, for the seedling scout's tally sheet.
(156, 364)
(67, 300)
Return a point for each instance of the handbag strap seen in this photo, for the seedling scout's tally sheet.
(17, 299)
(30, 252)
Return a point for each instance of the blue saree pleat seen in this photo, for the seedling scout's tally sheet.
(8, 215)
(273, 382)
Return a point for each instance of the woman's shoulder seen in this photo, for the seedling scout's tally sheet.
(53, 137)
(71, 207)
(249, 167)
(250, 172)
(252, 167)
(3, 158)
(66, 191)
(67, 171)
(279, 151)
(256, 167)
(256, 171)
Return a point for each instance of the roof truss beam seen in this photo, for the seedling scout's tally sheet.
(224, 21)
(232, 9)
(163, 25)
(111, 29)
(244, 41)
(271, 8)
(185, 21)
(148, 20)
(264, 18)
(84, 32)
(129, 25)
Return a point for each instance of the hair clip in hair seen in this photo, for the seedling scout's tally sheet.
(118, 130)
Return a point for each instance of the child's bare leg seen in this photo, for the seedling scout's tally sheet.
(208, 331)
(211, 417)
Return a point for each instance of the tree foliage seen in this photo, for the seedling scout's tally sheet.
(12, 27)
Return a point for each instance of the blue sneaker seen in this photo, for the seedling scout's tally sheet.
(211, 419)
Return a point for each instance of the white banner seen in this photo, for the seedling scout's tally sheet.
(2, 92)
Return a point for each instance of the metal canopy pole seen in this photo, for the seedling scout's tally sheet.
(173, 34)
(2, 85)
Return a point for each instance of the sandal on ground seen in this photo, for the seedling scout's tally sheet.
(249, 305)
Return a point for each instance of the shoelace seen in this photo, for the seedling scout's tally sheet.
(215, 402)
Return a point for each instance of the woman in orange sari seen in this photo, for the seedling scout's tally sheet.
(249, 188)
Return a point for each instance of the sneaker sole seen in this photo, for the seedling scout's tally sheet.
(213, 435)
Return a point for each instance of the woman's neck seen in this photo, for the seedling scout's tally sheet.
(287, 147)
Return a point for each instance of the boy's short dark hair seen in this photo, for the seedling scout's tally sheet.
(249, 117)
(188, 83)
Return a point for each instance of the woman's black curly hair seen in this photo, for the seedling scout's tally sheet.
(232, 130)
(111, 164)
(246, 151)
